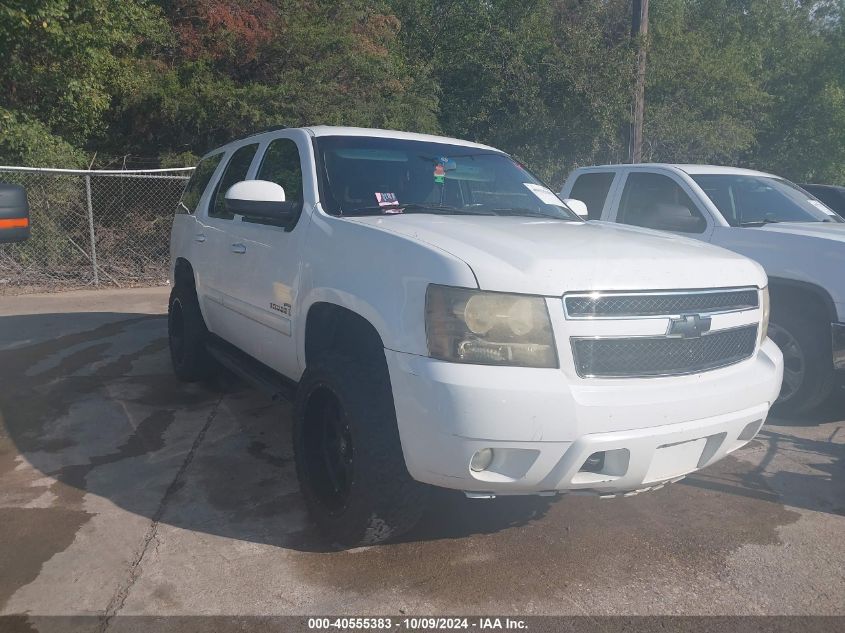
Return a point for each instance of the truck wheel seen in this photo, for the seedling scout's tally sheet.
(186, 333)
(348, 454)
(808, 375)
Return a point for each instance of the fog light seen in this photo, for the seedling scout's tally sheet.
(594, 463)
(481, 460)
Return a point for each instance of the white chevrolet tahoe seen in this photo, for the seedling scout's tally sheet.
(440, 317)
(798, 240)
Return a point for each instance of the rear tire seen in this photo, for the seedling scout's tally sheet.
(187, 335)
(348, 454)
(809, 378)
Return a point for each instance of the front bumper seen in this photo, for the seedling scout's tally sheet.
(838, 338)
(542, 425)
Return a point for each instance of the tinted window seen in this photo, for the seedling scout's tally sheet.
(199, 181)
(591, 189)
(656, 201)
(235, 172)
(753, 200)
(281, 165)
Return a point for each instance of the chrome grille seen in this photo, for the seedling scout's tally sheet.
(662, 356)
(615, 305)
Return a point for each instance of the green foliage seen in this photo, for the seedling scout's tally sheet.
(319, 62)
(27, 141)
(751, 82)
(178, 159)
(64, 60)
(703, 93)
(538, 78)
(758, 83)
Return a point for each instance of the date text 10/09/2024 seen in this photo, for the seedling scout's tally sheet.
(420, 623)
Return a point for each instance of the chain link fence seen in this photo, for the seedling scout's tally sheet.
(92, 229)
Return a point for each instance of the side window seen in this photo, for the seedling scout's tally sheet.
(656, 201)
(199, 181)
(236, 171)
(591, 188)
(280, 164)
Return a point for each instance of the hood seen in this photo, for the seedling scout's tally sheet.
(834, 231)
(551, 257)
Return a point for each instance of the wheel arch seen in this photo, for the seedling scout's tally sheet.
(331, 326)
(183, 272)
(789, 290)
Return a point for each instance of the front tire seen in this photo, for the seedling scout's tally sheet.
(187, 335)
(808, 374)
(348, 454)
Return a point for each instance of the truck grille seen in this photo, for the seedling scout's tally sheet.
(662, 356)
(615, 305)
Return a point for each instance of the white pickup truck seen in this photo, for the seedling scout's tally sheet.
(797, 239)
(441, 318)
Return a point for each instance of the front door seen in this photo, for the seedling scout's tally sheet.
(658, 201)
(263, 286)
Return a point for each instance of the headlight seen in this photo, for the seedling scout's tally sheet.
(765, 309)
(488, 328)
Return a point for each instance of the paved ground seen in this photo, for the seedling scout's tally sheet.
(123, 491)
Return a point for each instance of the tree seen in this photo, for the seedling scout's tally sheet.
(303, 63)
(803, 136)
(545, 80)
(62, 62)
(750, 82)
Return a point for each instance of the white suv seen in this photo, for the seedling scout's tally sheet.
(797, 239)
(440, 317)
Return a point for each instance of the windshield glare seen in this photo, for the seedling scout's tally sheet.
(749, 200)
(372, 176)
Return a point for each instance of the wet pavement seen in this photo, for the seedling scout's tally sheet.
(123, 491)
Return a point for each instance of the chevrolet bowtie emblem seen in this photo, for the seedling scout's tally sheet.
(689, 326)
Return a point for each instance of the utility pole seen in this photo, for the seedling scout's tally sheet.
(639, 30)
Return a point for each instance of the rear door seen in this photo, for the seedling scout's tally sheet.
(188, 238)
(263, 285)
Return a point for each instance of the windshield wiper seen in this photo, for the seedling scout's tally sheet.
(443, 208)
(752, 223)
(366, 210)
(413, 207)
(522, 211)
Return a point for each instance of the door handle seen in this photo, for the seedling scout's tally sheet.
(199, 237)
(240, 249)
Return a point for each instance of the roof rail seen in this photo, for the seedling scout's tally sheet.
(269, 128)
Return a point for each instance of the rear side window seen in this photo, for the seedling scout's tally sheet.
(236, 171)
(655, 201)
(281, 165)
(199, 181)
(591, 189)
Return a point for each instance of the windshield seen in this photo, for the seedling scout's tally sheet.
(758, 200)
(386, 176)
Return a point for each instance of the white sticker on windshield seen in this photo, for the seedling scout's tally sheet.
(821, 207)
(544, 194)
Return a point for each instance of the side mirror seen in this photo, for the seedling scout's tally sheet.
(14, 214)
(260, 200)
(578, 206)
